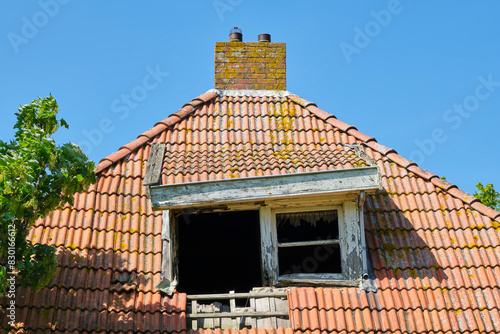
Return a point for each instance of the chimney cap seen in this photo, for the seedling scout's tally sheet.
(235, 35)
(264, 38)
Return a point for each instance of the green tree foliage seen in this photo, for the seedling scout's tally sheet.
(488, 196)
(37, 176)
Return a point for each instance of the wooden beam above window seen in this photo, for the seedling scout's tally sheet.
(217, 192)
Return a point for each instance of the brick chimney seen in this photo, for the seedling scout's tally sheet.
(252, 65)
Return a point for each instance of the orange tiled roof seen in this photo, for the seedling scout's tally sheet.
(435, 250)
(231, 137)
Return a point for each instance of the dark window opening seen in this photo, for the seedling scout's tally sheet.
(307, 226)
(310, 259)
(310, 230)
(219, 252)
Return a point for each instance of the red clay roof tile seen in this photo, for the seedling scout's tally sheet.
(379, 147)
(421, 172)
(400, 160)
(360, 136)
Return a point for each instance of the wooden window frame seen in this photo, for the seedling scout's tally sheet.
(169, 257)
(352, 253)
(350, 228)
(340, 215)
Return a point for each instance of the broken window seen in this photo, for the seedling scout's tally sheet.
(220, 258)
(308, 242)
(219, 252)
(322, 243)
(219, 268)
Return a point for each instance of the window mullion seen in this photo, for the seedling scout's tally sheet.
(269, 246)
(309, 243)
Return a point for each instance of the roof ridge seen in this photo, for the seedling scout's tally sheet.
(391, 154)
(160, 126)
(250, 92)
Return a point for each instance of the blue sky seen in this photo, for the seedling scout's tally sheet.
(421, 77)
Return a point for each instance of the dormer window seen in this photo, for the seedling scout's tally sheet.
(309, 226)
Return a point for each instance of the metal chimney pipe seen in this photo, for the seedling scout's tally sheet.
(235, 35)
(264, 38)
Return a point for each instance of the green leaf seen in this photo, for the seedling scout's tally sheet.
(488, 196)
(63, 123)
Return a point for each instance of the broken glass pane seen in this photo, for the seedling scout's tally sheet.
(307, 226)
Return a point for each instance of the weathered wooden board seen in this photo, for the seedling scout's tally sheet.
(253, 321)
(264, 305)
(264, 188)
(269, 246)
(311, 201)
(222, 315)
(315, 280)
(268, 308)
(353, 249)
(282, 306)
(194, 310)
(275, 307)
(309, 243)
(364, 250)
(238, 295)
(168, 266)
(154, 164)
(294, 203)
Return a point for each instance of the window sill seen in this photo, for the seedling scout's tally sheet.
(316, 280)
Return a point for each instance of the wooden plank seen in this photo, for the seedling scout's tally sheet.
(237, 314)
(306, 276)
(212, 323)
(166, 263)
(194, 310)
(361, 199)
(262, 306)
(168, 276)
(264, 188)
(154, 164)
(268, 305)
(352, 248)
(272, 308)
(216, 296)
(282, 306)
(309, 243)
(289, 203)
(232, 308)
(364, 251)
(302, 281)
(269, 246)
(253, 320)
(311, 201)
(232, 301)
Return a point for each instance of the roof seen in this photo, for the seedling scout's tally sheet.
(435, 250)
(233, 137)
